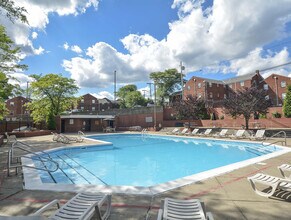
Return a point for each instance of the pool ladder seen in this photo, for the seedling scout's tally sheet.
(26, 148)
(278, 134)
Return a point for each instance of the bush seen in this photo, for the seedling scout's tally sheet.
(277, 115)
(264, 116)
(287, 103)
(222, 117)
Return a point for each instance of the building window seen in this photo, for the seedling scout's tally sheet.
(82, 100)
(11, 103)
(267, 97)
(93, 101)
(283, 96)
(71, 121)
(242, 83)
(93, 108)
(189, 87)
(217, 95)
(224, 96)
(266, 86)
(11, 113)
(82, 107)
(210, 95)
(283, 84)
(199, 85)
(210, 84)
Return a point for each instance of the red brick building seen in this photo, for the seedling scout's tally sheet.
(216, 90)
(16, 107)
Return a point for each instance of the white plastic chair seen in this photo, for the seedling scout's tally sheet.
(82, 206)
(270, 181)
(260, 135)
(239, 134)
(175, 209)
(222, 133)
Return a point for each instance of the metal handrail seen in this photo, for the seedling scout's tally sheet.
(282, 141)
(40, 158)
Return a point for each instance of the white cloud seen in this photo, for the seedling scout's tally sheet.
(34, 35)
(76, 49)
(104, 94)
(66, 46)
(37, 15)
(200, 37)
(20, 79)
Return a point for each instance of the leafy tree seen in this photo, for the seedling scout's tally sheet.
(247, 102)
(8, 63)
(190, 108)
(130, 97)
(13, 12)
(167, 82)
(52, 94)
(287, 103)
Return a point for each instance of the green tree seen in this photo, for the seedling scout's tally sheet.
(13, 12)
(287, 103)
(247, 102)
(52, 94)
(167, 82)
(130, 97)
(9, 59)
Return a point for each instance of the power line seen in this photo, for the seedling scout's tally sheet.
(274, 67)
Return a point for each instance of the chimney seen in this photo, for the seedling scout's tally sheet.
(257, 71)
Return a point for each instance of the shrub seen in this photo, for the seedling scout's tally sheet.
(287, 103)
(222, 117)
(263, 116)
(277, 115)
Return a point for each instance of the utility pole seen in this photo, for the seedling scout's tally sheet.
(150, 85)
(114, 85)
(182, 81)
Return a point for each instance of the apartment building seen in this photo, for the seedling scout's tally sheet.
(216, 90)
(16, 107)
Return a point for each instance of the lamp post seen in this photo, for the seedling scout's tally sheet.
(276, 84)
(195, 87)
(182, 81)
(150, 85)
(155, 108)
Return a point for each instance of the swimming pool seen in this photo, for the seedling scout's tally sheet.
(150, 161)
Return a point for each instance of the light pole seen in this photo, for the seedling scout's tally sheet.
(195, 87)
(150, 85)
(155, 110)
(114, 85)
(276, 84)
(182, 81)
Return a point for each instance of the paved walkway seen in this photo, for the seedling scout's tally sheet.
(228, 196)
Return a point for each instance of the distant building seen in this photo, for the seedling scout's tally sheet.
(16, 107)
(214, 91)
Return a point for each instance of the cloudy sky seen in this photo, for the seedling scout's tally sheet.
(88, 40)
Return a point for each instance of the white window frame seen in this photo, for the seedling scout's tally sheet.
(82, 100)
(82, 107)
(242, 83)
(210, 84)
(266, 87)
(93, 101)
(71, 121)
(93, 108)
(199, 85)
(11, 103)
(210, 95)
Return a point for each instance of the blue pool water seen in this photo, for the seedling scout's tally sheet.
(146, 160)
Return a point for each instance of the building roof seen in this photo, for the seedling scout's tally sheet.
(239, 78)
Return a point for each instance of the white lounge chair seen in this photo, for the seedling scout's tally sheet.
(222, 133)
(183, 209)
(194, 132)
(82, 206)
(175, 131)
(239, 134)
(183, 132)
(260, 135)
(285, 168)
(206, 133)
(271, 181)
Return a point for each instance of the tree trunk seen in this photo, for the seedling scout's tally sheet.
(247, 122)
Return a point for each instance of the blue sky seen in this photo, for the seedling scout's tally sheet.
(88, 39)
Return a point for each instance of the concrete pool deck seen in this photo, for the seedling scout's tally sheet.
(228, 196)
